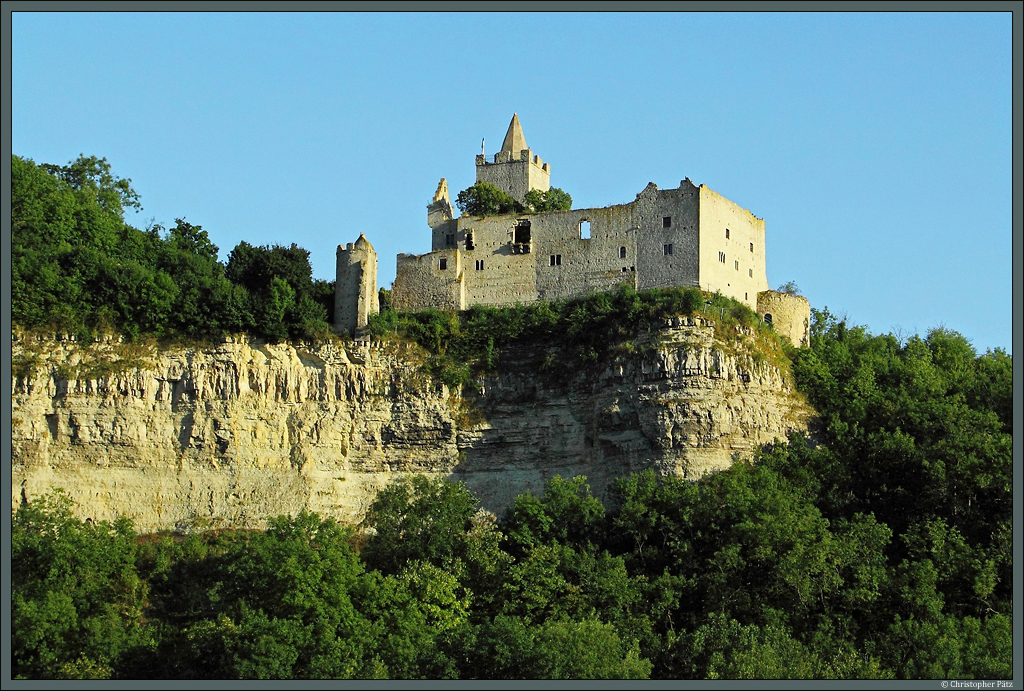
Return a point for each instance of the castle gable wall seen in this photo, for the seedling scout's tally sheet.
(729, 231)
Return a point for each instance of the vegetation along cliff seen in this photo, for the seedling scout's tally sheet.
(192, 503)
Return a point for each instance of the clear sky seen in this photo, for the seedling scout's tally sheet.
(877, 147)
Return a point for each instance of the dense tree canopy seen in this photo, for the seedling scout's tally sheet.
(79, 267)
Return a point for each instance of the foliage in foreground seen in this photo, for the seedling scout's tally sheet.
(882, 552)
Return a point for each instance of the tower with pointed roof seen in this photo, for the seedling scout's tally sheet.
(515, 169)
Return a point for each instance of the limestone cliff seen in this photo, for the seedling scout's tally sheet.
(235, 432)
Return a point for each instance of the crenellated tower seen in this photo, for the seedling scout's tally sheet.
(515, 169)
(355, 288)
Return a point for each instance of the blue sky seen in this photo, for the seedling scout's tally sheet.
(877, 147)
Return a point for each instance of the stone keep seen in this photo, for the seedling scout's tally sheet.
(355, 288)
(688, 236)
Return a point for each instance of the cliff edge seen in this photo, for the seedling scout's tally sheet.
(235, 432)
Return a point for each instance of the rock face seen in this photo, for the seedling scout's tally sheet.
(233, 433)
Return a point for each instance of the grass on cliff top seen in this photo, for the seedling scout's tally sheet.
(577, 333)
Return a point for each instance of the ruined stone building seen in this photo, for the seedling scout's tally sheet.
(688, 236)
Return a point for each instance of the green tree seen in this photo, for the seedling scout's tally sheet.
(511, 648)
(552, 199)
(285, 302)
(484, 199)
(76, 601)
(422, 519)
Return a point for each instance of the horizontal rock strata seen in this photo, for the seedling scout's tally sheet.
(232, 433)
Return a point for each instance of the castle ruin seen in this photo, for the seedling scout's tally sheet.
(688, 236)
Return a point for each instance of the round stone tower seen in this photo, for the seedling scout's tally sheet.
(789, 315)
(355, 288)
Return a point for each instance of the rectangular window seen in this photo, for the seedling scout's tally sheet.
(668, 250)
(442, 263)
(751, 247)
(736, 264)
(479, 264)
(555, 260)
(666, 222)
(750, 273)
(469, 240)
(584, 229)
(622, 253)
(721, 257)
(726, 233)
(449, 240)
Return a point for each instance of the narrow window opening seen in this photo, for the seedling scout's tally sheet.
(666, 222)
(744, 296)
(469, 240)
(584, 229)
(555, 260)
(622, 253)
(521, 236)
(442, 263)
(767, 318)
(736, 264)
(668, 250)
(449, 240)
(721, 257)
(479, 264)
(750, 273)
(751, 247)
(726, 233)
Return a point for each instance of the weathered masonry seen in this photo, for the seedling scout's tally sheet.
(688, 236)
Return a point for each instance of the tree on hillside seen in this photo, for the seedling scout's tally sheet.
(283, 295)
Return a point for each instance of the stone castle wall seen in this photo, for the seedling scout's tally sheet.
(730, 231)
(516, 174)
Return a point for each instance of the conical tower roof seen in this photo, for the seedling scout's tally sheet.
(514, 140)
